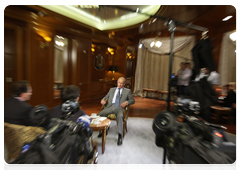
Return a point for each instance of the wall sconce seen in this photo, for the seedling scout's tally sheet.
(93, 48)
(129, 56)
(111, 50)
(45, 35)
(113, 69)
(111, 34)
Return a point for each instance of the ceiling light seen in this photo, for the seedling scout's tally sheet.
(140, 46)
(227, 18)
(79, 14)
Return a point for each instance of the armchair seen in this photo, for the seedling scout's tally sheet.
(113, 116)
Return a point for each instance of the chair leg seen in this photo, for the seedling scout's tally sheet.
(123, 129)
(126, 126)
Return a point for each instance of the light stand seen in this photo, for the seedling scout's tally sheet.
(171, 29)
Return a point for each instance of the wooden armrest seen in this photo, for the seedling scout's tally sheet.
(125, 113)
(103, 106)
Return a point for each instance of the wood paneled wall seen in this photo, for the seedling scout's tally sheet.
(25, 58)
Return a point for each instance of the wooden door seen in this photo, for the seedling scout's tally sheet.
(13, 70)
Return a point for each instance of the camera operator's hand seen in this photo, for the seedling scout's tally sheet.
(103, 102)
(124, 104)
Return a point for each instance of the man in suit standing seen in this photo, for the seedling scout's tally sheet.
(118, 98)
(16, 110)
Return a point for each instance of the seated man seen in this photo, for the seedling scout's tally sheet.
(231, 100)
(70, 92)
(118, 98)
(16, 110)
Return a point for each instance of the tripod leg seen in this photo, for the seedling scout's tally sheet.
(164, 155)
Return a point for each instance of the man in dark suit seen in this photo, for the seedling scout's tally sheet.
(16, 110)
(70, 92)
(231, 101)
(118, 98)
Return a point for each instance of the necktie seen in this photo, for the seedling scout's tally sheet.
(117, 98)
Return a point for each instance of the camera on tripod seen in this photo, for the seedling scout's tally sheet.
(69, 108)
(187, 138)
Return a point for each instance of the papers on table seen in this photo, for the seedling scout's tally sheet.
(98, 120)
(94, 117)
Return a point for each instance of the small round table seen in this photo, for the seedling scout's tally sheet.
(219, 111)
(102, 126)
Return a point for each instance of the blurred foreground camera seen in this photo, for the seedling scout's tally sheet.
(186, 138)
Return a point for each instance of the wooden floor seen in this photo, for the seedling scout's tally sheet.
(143, 107)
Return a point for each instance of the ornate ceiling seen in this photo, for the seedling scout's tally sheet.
(106, 17)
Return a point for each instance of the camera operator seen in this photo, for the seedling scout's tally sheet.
(70, 92)
(202, 90)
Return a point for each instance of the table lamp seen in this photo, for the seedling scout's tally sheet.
(113, 69)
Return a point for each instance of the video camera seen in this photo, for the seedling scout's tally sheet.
(187, 138)
(69, 108)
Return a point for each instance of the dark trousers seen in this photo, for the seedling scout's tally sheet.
(182, 90)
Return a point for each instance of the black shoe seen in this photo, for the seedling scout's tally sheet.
(100, 134)
(119, 142)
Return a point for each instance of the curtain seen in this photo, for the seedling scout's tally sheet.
(227, 60)
(152, 69)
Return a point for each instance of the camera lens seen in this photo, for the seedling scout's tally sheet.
(163, 123)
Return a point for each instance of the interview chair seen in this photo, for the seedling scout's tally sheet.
(113, 116)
